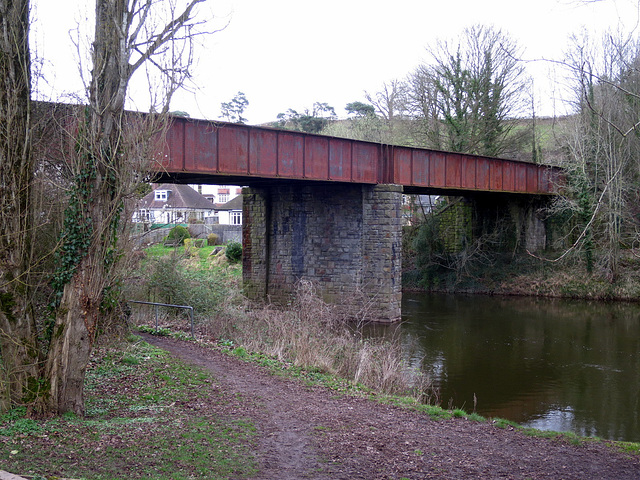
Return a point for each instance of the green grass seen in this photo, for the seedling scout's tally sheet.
(148, 416)
(629, 447)
(159, 250)
(168, 275)
(504, 423)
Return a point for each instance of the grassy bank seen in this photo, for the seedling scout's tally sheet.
(148, 416)
(151, 416)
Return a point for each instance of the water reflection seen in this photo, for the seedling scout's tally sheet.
(550, 364)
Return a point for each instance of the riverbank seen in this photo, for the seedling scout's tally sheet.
(198, 412)
(526, 275)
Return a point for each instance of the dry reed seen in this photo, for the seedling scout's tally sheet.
(312, 334)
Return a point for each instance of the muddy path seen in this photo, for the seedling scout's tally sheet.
(314, 433)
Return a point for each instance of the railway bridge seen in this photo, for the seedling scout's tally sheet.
(328, 209)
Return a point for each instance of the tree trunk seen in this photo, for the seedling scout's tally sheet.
(94, 204)
(19, 365)
(19, 372)
(103, 174)
(77, 316)
(69, 353)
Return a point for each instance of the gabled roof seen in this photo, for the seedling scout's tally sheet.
(234, 204)
(181, 196)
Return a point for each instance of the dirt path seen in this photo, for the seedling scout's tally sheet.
(309, 432)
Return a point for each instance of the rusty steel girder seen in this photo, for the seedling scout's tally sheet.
(198, 149)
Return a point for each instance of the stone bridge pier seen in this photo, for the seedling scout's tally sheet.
(345, 238)
(518, 217)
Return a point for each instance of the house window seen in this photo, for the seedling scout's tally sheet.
(236, 218)
(144, 215)
(223, 197)
(162, 195)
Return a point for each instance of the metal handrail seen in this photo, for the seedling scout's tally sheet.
(190, 308)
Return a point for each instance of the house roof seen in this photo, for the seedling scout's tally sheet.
(234, 204)
(181, 196)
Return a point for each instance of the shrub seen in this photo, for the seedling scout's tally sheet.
(177, 280)
(190, 245)
(234, 252)
(213, 239)
(165, 282)
(177, 235)
(316, 336)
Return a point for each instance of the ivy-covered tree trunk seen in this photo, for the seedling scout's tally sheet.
(19, 356)
(105, 168)
(83, 274)
(93, 212)
(73, 335)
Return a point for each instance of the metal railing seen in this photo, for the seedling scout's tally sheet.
(187, 307)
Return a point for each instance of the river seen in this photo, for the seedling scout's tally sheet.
(546, 363)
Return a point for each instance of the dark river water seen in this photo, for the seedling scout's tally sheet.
(550, 364)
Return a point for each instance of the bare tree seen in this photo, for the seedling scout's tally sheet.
(19, 354)
(390, 101)
(129, 34)
(390, 104)
(603, 146)
(467, 95)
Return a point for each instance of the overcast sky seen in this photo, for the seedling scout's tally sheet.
(291, 53)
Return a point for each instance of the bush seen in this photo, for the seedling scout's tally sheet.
(176, 280)
(177, 235)
(212, 239)
(165, 282)
(234, 252)
(190, 245)
(315, 335)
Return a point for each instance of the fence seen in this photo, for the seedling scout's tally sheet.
(190, 308)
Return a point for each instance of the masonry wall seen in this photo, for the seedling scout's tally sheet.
(456, 226)
(345, 238)
(255, 228)
(226, 233)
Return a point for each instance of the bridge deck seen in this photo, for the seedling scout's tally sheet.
(196, 150)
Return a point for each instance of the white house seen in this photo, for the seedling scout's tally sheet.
(173, 203)
(231, 212)
(218, 194)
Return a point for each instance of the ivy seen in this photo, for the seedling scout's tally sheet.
(77, 230)
(80, 229)
(7, 304)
